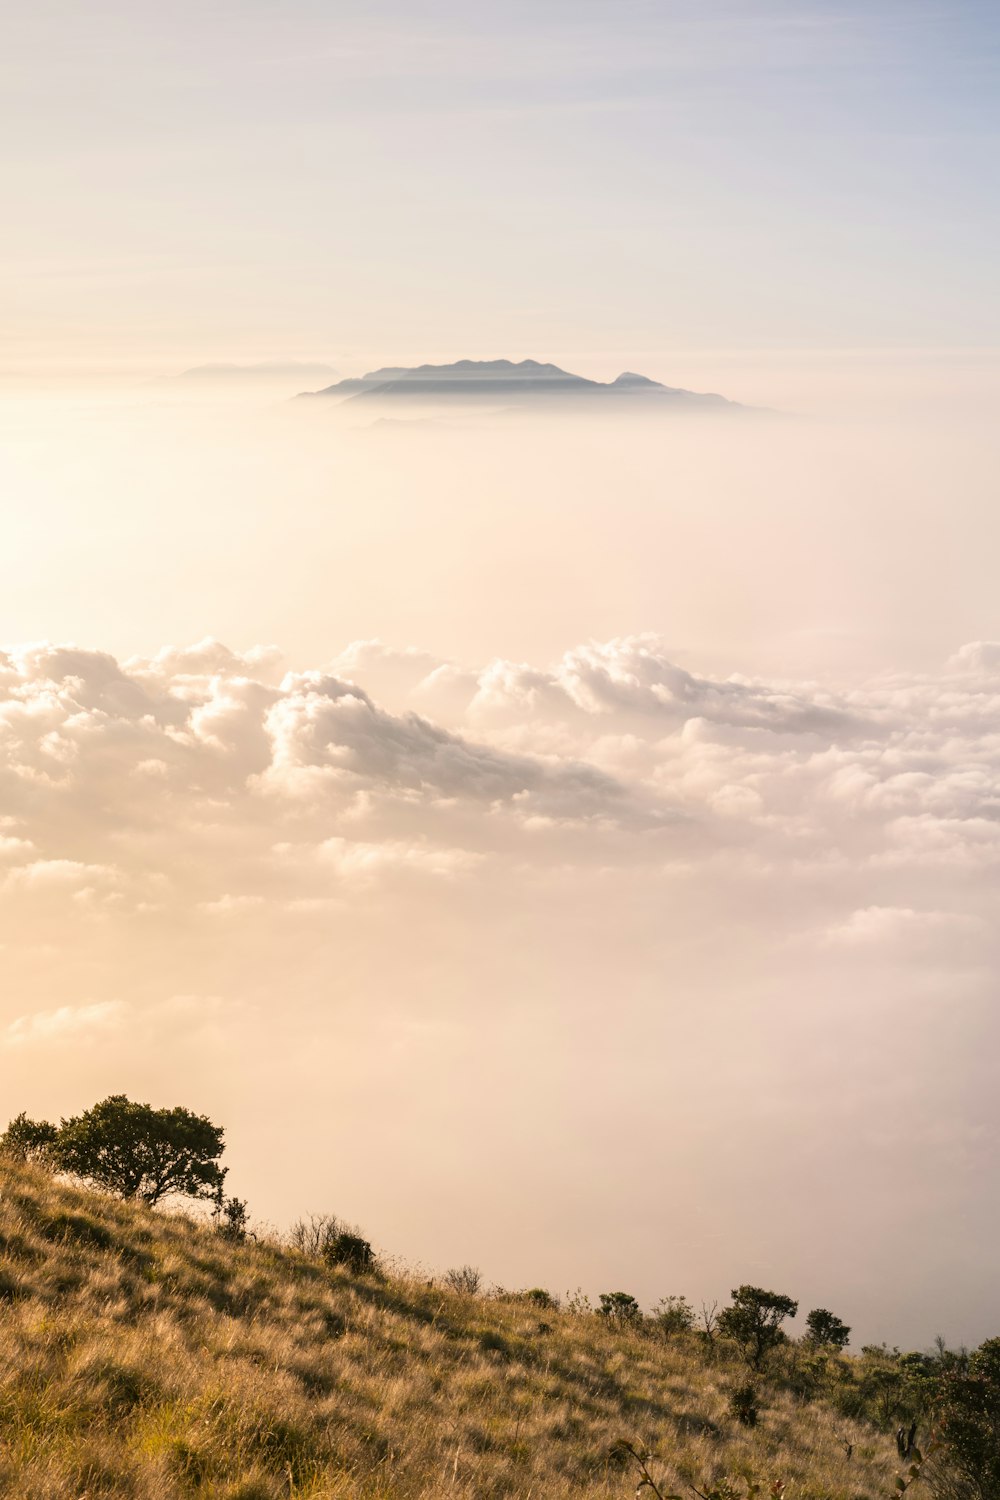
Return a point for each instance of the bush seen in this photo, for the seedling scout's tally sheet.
(673, 1315)
(28, 1140)
(539, 1297)
(312, 1235)
(351, 1252)
(619, 1307)
(744, 1404)
(232, 1218)
(464, 1279)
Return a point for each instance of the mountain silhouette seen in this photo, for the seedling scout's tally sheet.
(511, 384)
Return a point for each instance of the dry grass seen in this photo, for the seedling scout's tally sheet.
(143, 1356)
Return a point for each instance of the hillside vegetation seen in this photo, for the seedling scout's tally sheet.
(146, 1355)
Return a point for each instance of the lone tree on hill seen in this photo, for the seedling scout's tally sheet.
(140, 1152)
(754, 1321)
(824, 1328)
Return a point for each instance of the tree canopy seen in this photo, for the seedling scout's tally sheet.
(823, 1327)
(754, 1321)
(28, 1140)
(140, 1152)
(968, 1421)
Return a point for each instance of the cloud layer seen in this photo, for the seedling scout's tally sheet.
(677, 909)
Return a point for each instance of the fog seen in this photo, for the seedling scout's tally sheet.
(566, 845)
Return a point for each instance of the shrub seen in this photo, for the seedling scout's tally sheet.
(744, 1404)
(673, 1315)
(882, 1383)
(539, 1297)
(619, 1307)
(140, 1152)
(28, 1140)
(464, 1279)
(754, 1321)
(823, 1327)
(312, 1235)
(232, 1218)
(350, 1251)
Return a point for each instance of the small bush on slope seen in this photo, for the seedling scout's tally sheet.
(144, 1357)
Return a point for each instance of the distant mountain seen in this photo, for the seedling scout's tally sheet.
(501, 381)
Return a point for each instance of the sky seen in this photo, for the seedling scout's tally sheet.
(566, 846)
(387, 180)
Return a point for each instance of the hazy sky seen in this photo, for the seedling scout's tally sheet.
(396, 179)
(569, 847)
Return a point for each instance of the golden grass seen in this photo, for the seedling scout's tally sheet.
(143, 1356)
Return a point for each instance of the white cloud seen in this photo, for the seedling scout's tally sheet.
(67, 1022)
(173, 778)
(227, 905)
(58, 874)
(874, 925)
(355, 860)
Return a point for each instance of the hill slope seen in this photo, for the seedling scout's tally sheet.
(144, 1356)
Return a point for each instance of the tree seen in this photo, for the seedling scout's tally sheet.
(28, 1140)
(823, 1327)
(709, 1320)
(231, 1217)
(140, 1152)
(673, 1315)
(968, 1427)
(754, 1321)
(619, 1307)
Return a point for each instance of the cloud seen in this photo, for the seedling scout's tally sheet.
(981, 658)
(354, 859)
(67, 1022)
(227, 905)
(325, 732)
(634, 678)
(59, 875)
(176, 778)
(302, 889)
(893, 925)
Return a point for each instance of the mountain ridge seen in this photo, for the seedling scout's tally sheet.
(511, 382)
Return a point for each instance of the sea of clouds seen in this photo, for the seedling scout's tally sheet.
(317, 782)
(654, 925)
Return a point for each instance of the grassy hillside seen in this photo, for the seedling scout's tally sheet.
(143, 1355)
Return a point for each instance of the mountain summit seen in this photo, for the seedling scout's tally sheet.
(507, 383)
